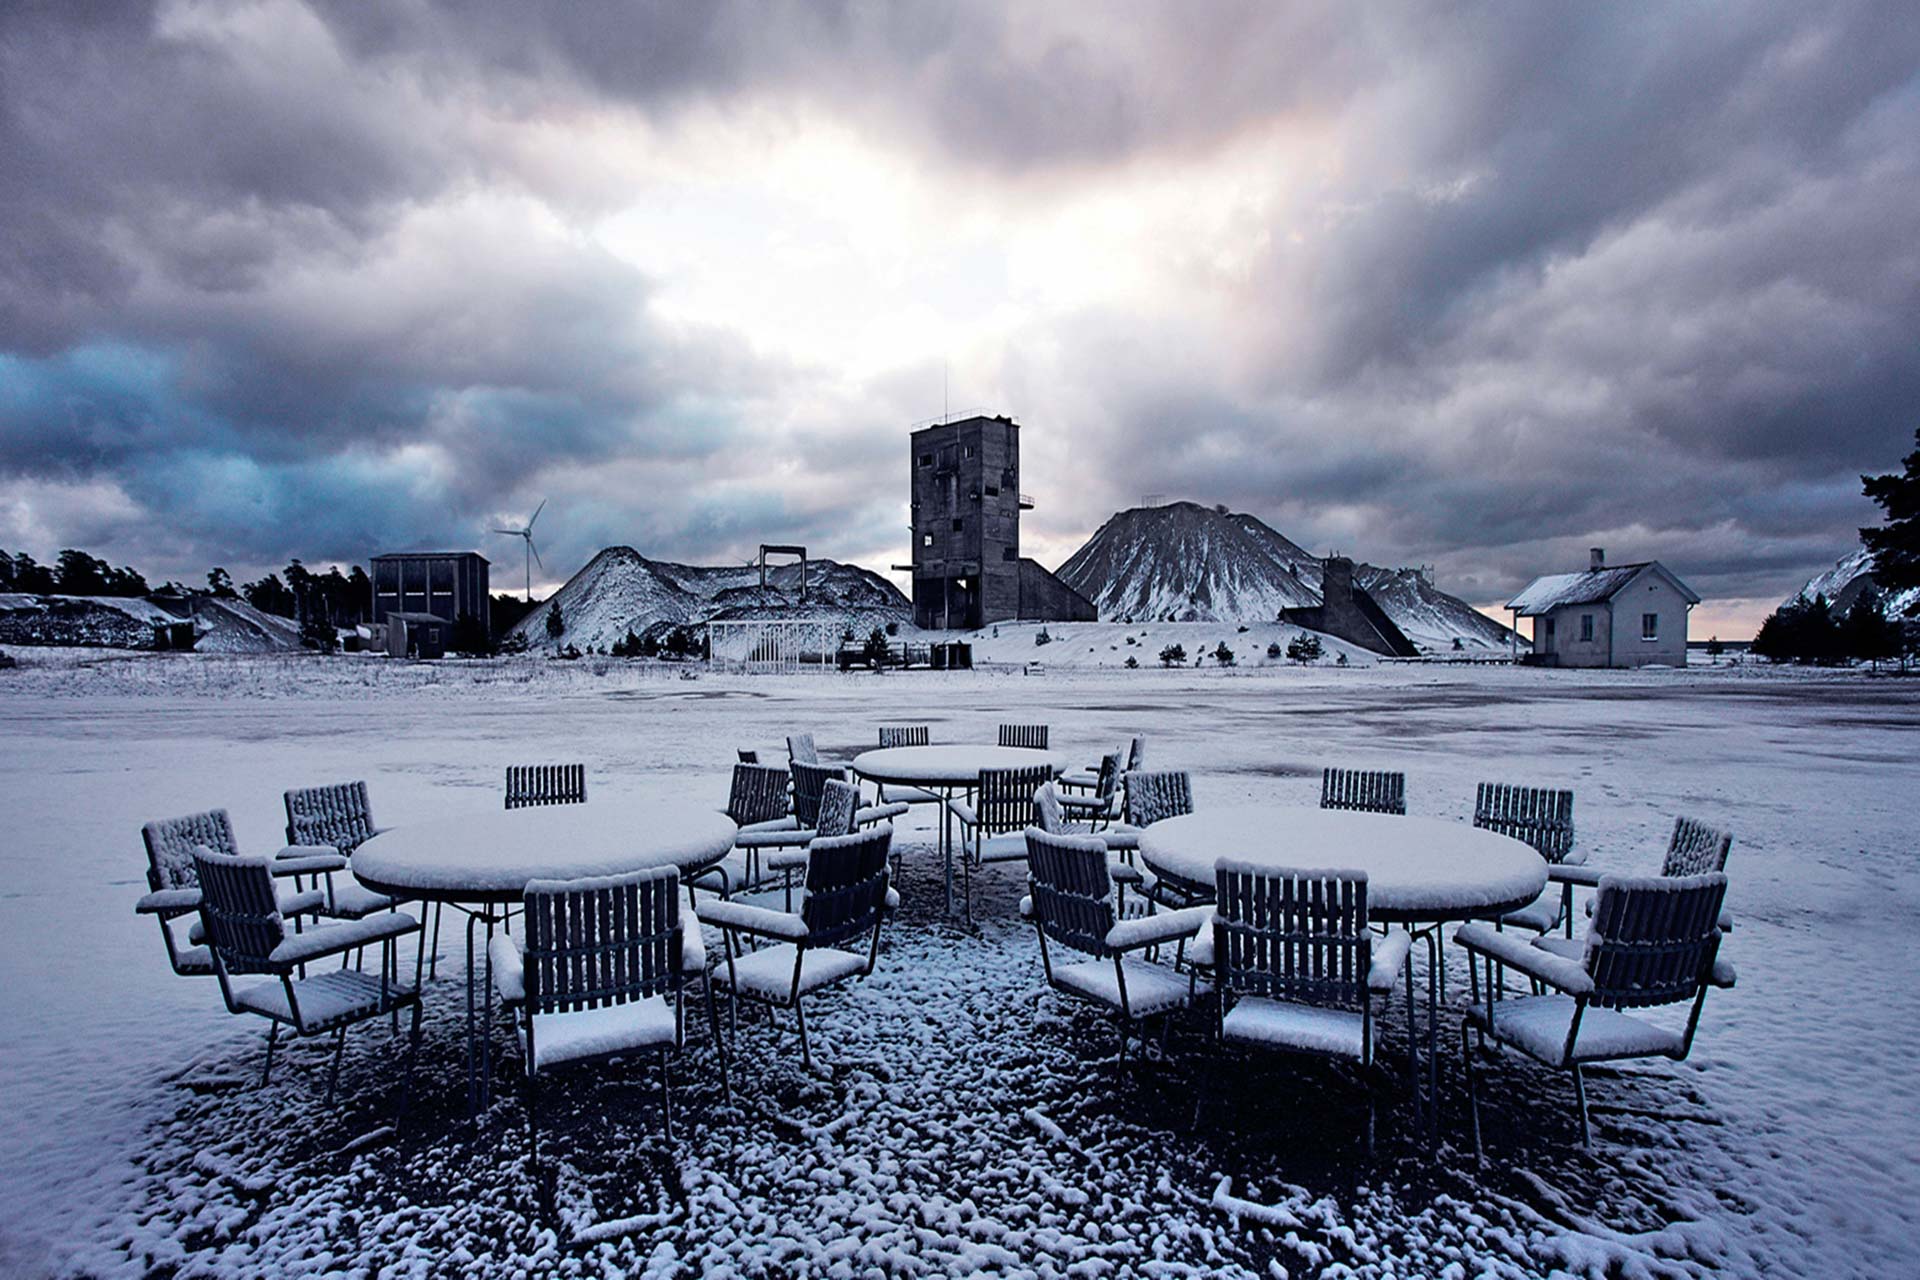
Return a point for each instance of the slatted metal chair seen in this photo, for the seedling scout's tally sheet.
(247, 935)
(1694, 848)
(1102, 808)
(1299, 966)
(757, 801)
(1051, 817)
(600, 975)
(1150, 797)
(1087, 779)
(1654, 940)
(809, 783)
(1073, 903)
(1541, 818)
(911, 735)
(800, 749)
(542, 784)
(844, 903)
(173, 883)
(1363, 790)
(1031, 736)
(340, 816)
(748, 757)
(993, 820)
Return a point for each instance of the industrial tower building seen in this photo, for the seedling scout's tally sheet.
(967, 568)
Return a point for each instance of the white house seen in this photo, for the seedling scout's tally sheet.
(1627, 615)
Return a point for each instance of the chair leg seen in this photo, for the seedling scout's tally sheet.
(273, 1037)
(1473, 1091)
(533, 1119)
(800, 1017)
(720, 1047)
(413, 1054)
(666, 1096)
(1580, 1097)
(333, 1072)
(433, 958)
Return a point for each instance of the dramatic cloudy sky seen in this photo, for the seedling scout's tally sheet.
(1469, 285)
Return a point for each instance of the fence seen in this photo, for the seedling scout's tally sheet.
(787, 646)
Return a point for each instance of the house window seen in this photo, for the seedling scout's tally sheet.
(926, 459)
(1586, 627)
(956, 526)
(926, 540)
(1006, 553)
(1649, 626)
(992, 492)
(967, 452)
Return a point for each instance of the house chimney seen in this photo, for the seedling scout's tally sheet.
(1596, 559)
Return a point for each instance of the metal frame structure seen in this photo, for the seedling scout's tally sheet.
(772, 646)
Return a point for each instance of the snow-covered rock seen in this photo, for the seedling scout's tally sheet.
(621, 590)
(1187, 563)
(1849, 577)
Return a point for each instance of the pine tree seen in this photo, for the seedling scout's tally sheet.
(556, 626)
(1896, 544)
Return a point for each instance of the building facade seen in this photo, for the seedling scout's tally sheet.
(1629, 615)
(444, 584)
(966, 505)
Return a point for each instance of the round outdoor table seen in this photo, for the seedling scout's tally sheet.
(481, 863)
(946, 769)
(1420, 871)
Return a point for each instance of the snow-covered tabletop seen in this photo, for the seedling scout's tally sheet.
(956, 765)
(486, 857)
(1418, 869)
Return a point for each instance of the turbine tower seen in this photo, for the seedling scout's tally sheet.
(533, 554)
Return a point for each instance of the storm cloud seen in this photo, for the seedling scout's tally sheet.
(1475, 286)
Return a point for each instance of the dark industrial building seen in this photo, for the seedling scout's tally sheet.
(967, 568)
(445, 584)
(1349, 613)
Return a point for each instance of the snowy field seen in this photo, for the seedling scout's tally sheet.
(963, 1121)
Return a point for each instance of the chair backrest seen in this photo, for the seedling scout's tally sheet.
(1048, 813)
(171, 841)
(602, 941)
(758, 794)
(241, 910)
(1154, 796)
(1072, 890)
(1654, 938)
(537, 784)
(1107, 780)
(339, 815)
(907, 735)
(1538, 816)
(748, 757)
(800, 749)
(1024, 735)
(839, 802)
(809, 784)
(1292, 934)
(1136, 754)
(846, 885)
(1363, 790)
(1696, 849)
(1005, 799)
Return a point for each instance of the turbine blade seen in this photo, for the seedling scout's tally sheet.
(536, 553)
(536, 514)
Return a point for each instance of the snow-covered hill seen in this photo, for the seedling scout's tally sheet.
(1187, 563)
(621, 590)
(1850, 575)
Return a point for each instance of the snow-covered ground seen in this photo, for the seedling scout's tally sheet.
(966, 1122)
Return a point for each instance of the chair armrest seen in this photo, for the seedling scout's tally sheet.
(1125, 873)
(1164, 926)
(308, 864)
(1726, 920)
(1120, 838)
(693, 947)
(785, 860)
(1577, 858)
(1571, 872)
(1389, 957)
(873, 813)
(331, 940)
(168, 902)
(1510, 950)
(308, 851)
(1098, 806)
(743, 917)
(509, 967)
(964, 812)
(1723, 974)
(303, 903)
(774, 837)
(1026, 907)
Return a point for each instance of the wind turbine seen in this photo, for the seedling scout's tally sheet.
(533, 554)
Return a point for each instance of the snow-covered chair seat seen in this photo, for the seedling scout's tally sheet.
(992, 822)
(906, 735)
(599, 975)
(834, 936)
(1541, 818)
(247, 934)
(1363, 790)
(1033, 737)
(1654, 940)
(1073, 903)
(173, 883)
(1299, 967)
(543, 784)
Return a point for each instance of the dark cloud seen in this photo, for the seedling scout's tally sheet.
(308, 279)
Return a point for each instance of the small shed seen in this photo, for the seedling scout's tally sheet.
(417, 635)
(1625, 615)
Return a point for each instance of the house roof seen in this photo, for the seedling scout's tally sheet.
(429, 555)
(1557, 590)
